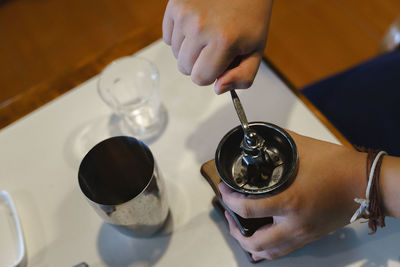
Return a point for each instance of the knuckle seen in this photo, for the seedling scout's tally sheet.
(227, 40)
(183, 70)
(245, 211)
(175, 51)
(180, 15)
(251, 246)
(198, 25)
(305, 230)
(166, 39)
(258, 248)
(271, 254)
(200, 79)
(244, 84)
(181, 11)
(292, 204)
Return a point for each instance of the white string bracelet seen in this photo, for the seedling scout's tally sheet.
(364, 203)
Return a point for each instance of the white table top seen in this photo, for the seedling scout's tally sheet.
(40, 156)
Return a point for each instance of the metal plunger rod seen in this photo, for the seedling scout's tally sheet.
(240, 112)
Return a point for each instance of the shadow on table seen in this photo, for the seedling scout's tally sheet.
(117, 249)
(87, 135)
(341, 248)
(73, 224)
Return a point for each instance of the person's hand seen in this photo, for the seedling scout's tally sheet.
(320, 200)
(207, 35)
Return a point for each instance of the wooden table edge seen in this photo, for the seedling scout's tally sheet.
(33, 98)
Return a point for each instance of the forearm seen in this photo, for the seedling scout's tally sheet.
(390, 186)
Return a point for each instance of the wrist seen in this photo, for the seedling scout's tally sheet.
(390, 186)
(350, 175)
(356, 176)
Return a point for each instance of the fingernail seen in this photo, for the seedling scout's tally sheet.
(255, 258)
(217, 90)
(223, 89)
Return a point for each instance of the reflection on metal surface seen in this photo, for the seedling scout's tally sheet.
(246, 178)
(257, 161)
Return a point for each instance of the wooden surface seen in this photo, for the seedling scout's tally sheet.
(48, 47)
(43, 39)
(312, 39)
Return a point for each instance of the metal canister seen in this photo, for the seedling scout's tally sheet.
(121, 181)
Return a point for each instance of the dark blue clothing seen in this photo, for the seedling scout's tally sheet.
(363, 103)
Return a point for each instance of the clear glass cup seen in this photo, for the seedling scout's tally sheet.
(130, 86)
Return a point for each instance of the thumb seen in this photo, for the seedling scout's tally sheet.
(240, 77)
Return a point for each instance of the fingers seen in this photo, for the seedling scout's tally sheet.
(173, 31)
(269, 242)
(266, 237)
(168, 25)
(188, 54)
(213, 60)
(203, 52)
(203, 61)
(248, 207)
(176, 39)
(277, 252)
(241, 77)
(206, 36)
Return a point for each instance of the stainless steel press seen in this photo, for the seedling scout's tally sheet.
(257, 157)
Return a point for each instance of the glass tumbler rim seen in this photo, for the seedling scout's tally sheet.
(153, 67)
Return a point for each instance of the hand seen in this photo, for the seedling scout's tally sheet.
(320, 200)
(207, 35)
